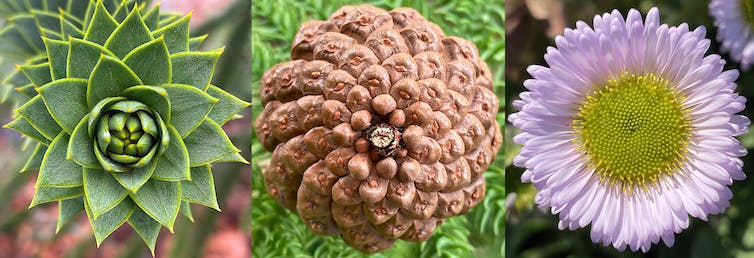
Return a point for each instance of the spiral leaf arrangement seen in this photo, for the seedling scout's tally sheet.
(126, 120)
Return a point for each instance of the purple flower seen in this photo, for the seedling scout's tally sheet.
(631, 129)
(735, 29)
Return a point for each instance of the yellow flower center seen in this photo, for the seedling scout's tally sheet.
(634, 130)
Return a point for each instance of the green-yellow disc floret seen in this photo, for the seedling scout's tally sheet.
(634, 130)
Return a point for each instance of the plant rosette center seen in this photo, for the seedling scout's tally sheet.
(127, 134)
(634, 130)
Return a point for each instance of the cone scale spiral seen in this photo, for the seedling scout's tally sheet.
(380, 127)
(126, 121)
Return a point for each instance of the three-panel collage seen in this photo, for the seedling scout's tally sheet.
(376, 128)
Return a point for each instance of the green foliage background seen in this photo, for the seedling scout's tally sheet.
(277, 232)
(534, 233)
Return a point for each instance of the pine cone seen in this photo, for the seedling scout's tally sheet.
(381, 127)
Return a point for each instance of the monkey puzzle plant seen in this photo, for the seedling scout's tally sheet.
(127, 122)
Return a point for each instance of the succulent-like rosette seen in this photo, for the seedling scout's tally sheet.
(127, 122)
(380, 128)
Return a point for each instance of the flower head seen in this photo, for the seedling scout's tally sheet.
(631, 129)
(126, 120)
(734, 20)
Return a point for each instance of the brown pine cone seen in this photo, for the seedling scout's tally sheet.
(380, 128)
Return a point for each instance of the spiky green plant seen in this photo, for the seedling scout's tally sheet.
(127, 122)
(25, 23)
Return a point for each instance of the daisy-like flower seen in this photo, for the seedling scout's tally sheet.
(631, 129)
(734, 20)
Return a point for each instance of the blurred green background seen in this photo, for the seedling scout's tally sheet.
(278, 232)
(31, 233)
(531, 232)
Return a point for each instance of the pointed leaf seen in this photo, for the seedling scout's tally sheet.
(66, 101)
(46, 20)
(21, 125)
(194, 68)
(156, 98)
(56, 170)
(38, 74)
(28, 90)
(131, 33)
(16, 78)
(109, 78)
(67, 210)
(186, 210)
(69, 29)
(57, 52)
(201, 188)
(35, 160)
(160, 200)
(189, 106)
(196, 42)
(147, 228)
(107, 223)
(173, 165)
(37, 115)
(102, 191)
(81, 146)
(208, 143)
(134, 179)
(233, 157)
(101, 25)
(152, 18)
(176, 35)
(51, 194)
(151, 62)
(82, 57)
(27, 26)
(227, 107)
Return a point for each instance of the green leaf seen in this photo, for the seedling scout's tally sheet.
(196, 42)
(101, 25)
(186, 210)
(189, 106)
(146, 227)
(97, 111)
(233, 157)
(109, 78)
(201, 188)
(48, 21)
(152, 18)
(156, 98)
(173, 165)
(35, 160)
(131, 33)
(16, 78)
(56, 170)
(107, 223)
(57, 53)
(134, 179)
(51, 194)
(108, 164)
(37, 115)
(28, 28)
(82, 57)
(21, 125)
(176, 35)
(66, 101)
(151, 62)
(28, 90)
(81, 146)
(160, 200)
(102, 191)
(69, 29)
(194, 68)
(227, 107)
(208, 143)
(67, 210)
(38, 74)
